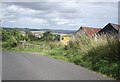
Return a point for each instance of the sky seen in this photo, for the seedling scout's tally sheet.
(66, 15)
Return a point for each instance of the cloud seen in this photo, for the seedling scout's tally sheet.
(60, 0)
(32, 20)
(59, 21)
(62, 15)
(20, 10)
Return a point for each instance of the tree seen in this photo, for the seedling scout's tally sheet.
(30, 36)
(56, 37)
(47, 36)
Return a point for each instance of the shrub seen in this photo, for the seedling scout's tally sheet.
(11, 38)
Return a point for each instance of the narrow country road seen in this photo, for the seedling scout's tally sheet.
(24, 66)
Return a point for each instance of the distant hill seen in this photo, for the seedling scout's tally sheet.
(51, 30)
(55, 31)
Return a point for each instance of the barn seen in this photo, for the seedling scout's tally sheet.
(110, 28)
(88, 31)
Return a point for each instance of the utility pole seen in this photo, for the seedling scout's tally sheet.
(119, 34)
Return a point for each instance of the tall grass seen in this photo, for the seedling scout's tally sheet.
(100, 54)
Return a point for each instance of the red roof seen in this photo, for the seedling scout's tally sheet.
(90, 31)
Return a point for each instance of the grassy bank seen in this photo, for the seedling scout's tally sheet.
(52, 49)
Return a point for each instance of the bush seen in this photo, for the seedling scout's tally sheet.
(11, 38)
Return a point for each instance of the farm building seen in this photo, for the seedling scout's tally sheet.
(88, 31)
(110, 28)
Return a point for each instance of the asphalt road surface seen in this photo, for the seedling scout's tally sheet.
(24, 66)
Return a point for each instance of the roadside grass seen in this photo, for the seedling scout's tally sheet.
(30, 48)
(52, 49)
(57, 53)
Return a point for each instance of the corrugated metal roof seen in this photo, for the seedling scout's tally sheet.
(91, 31)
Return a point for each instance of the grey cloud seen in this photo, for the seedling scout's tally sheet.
(46, 6)
(75, 13)
(34, 5)
(49, 8)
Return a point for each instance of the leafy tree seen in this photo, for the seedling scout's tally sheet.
(11, 37)
(47, 36)
(30, 36)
